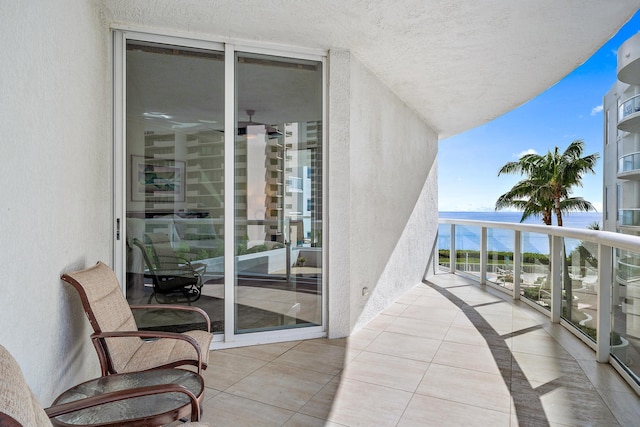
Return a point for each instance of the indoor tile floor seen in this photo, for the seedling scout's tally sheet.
(447, 353)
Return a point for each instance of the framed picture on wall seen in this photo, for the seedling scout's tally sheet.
(157, 179)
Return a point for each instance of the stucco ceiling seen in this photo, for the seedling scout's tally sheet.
(458, 63)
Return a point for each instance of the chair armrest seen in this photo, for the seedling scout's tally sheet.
(114, 396)
(153, 335)
(198, 310)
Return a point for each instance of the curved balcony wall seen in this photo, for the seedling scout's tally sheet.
(629, 115)
(629, 61)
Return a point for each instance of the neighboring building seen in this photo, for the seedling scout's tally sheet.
(621, 171)
(621, 156)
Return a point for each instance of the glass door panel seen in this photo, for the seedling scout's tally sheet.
(175, 182)
(278, 193)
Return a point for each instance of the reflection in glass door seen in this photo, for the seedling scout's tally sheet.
(175, 181)
(278, 193)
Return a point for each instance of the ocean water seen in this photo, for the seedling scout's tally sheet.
(468, 238)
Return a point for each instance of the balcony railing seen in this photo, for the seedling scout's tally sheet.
(629, 217)
(586, 280)
(629, 107)
(628, 163)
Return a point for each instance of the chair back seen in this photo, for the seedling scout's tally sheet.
(164, 255)
(107, 310)
(18, 406)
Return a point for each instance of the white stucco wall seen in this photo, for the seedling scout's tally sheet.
(383, 199)
(55, 94)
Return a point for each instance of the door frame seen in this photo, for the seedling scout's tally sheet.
(120, 36)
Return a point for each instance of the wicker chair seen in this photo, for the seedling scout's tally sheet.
(19, 407)
(121, 347)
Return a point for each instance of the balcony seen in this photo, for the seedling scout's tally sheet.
(584, 280)
(629, 61)
(629, 115)
(629, 217)
(448, 352)
(629, 166)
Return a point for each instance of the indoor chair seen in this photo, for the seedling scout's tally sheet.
(169, 272)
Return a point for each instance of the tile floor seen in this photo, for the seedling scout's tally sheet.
(445, 354)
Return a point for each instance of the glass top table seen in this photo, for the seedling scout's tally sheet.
(157, 409)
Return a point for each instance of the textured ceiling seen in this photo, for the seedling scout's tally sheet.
(458, 63)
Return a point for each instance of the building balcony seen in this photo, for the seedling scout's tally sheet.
(583, 280)
(629, 217)
(448, 352)
(629, 166)
(629, 61)
(629, 115)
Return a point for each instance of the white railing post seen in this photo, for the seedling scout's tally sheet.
(483, 255)
(555, 257)
(517, 264)
(605, 277)
(452, 249)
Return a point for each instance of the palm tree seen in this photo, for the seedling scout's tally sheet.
(548, 183)
(546, 187)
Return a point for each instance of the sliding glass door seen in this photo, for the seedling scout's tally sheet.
(278, 187)
(175, 181)
(178, 184)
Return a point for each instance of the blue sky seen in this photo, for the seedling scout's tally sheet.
(468, 163)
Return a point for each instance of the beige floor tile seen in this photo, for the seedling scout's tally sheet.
(362, 404)
(543, 369)
(301, 420)
(444, 315)
(317, 356)
(465, 386)
(407, 346)
(543, 345)
(266, 352)
(232, 411)
(605, 378)
(380, 322)
(465, 335)
(435, 301)
(427, 411)
(320, 405)
(477, 358)
(572, 406)
(418, 328)
(361, 339)
(395, 309)
(385, 370)
(625, 406)
(281, 385)
(226, 369)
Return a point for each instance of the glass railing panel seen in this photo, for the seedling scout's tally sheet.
(468, 249)
(500, 257)
(580, 285)
(625, 335)
(629, 107)
(629, 217)
(535, 279)
(444, 245)
(629, 163)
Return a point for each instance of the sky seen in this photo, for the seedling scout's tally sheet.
(569, 110)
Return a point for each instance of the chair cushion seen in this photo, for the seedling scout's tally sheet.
(18, 405)
(167, 351)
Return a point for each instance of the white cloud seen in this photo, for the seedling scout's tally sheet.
(596, 110)
(529, 151)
